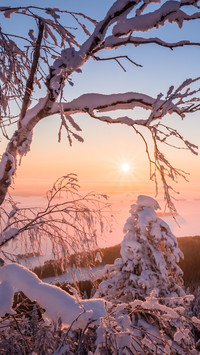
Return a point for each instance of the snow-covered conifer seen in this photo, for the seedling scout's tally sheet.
(149, 256)
(145, 286)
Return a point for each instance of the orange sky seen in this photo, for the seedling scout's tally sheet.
(97, 162)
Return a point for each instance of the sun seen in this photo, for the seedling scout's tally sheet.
(125, 168)
(123, 171)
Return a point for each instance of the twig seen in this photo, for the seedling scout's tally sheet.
(19, 330)
(116, 58)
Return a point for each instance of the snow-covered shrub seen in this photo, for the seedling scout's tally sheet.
(139, 327)
(128, 329)
(26, 336)
(145, 327)
(149, 259)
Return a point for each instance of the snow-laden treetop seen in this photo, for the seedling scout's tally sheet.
(147, 201)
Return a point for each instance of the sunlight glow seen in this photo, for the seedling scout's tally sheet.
(124, 172)
(125, 167)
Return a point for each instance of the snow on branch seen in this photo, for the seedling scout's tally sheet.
(56, 302)
(100, 102)
(175, 102)
(178, 101)
(169, 11)
(115, 42)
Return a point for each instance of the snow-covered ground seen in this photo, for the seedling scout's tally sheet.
(74, 275)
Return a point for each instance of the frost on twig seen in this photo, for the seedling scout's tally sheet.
(70, 223)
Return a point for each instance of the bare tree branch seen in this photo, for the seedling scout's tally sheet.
(31, 78)
(117, 59)
(71, 222)
(114, 42)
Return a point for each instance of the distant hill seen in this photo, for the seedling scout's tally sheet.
(190, 246)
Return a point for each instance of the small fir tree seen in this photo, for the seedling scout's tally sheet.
(149, 259)
(149, 313)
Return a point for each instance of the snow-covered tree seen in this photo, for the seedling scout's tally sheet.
(50, 53)
(149, 305)
(149, 260)
(35, 69)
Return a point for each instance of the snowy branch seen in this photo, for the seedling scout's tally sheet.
(170, 11)
(67, 307)
(114, 42)
(30, 69)
(69, 221)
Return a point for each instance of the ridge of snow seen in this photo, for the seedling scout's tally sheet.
(147, 21)
(56, 302)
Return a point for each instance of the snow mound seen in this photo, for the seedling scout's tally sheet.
(56, 302)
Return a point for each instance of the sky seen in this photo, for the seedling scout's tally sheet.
(98, 161)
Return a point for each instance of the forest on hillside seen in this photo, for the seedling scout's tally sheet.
(190, 246)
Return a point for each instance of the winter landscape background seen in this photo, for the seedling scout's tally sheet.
(105, 95)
